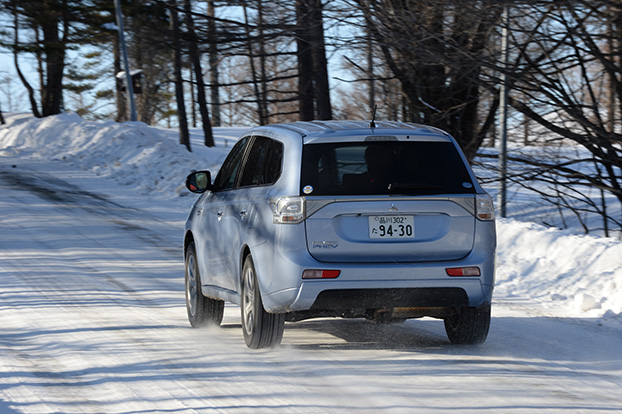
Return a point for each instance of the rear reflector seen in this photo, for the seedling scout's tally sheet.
(463, 271)
(320, 274)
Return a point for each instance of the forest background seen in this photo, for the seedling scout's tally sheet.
(445, 63)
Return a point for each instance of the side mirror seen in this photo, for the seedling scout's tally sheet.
(199, 182)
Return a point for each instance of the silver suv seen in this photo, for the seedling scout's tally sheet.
(381, 221)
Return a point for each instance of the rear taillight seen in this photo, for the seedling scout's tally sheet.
(463, 271)
(288, 210)
(320, 274)
(484, 208)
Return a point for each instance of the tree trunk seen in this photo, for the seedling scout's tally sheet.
(320, 65)
(198, 71)
(251, 58)
(184, 134)
(305, 63)
(263, 95)
(54, 47)
(213, 62)
(193, 102)
(616, 60)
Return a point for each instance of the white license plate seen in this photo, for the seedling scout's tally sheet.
(391, 227)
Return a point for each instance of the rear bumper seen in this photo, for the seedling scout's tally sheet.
(333, 295)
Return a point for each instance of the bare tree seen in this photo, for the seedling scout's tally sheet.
(195, 56)
(567, 78)
(313, 85)
(259, 46)
(184, 134)
(257, 82)
(213, 61)
(149, 47)
(437, 51)
(305, 64)
(16, 48)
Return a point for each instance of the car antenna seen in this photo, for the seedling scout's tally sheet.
(372, 124)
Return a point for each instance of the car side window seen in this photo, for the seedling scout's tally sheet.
(263, 166)
(230, 167)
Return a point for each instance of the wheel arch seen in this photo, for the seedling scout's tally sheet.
(244, 253)
(188, 238)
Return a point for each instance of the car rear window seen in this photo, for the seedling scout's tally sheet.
(376, 168)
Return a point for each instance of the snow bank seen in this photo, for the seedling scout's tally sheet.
(569, 274)
(132, 153)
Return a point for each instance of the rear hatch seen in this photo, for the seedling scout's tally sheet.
(400, 230)
(395, 200)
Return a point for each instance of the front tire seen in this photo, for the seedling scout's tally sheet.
(202, 311)
(261, 329)
(468, 326)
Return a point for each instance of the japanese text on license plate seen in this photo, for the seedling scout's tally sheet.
(391, 227)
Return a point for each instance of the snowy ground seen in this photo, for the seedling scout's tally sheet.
(93, 317)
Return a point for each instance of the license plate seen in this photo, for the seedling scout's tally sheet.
(391, 227)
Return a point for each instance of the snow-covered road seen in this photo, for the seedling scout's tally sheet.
(93, 321)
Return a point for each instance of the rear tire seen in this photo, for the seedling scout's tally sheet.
(468, 326)
(261, 329)
(202, 311)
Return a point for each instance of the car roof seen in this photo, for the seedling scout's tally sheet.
(337, 129)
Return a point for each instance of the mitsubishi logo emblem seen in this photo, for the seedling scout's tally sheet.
(392, 208)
